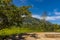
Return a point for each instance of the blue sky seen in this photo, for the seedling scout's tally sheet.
(39, 6)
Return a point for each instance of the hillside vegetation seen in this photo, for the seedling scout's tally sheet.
(13, 22)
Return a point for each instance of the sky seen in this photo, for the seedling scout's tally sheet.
(52, 7)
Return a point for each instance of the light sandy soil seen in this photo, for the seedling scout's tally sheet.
(42, 36)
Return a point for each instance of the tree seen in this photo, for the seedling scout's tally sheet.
(12, 14)
(56, 27)
(5, 1)
(44, 16)
(18, 13)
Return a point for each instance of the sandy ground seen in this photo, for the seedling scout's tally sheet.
(41, 36)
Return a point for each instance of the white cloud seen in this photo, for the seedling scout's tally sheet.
(48, 17)
(56, 17)
(36, 16)
(56, 12)
(53, 18)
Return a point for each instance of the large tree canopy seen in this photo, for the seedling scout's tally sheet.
(13, 14)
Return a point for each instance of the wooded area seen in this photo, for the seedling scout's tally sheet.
(12, 20)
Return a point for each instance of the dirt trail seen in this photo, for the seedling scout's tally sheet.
(45, 36)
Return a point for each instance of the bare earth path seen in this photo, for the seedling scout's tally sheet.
(45, 36)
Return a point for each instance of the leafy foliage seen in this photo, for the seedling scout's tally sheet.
(12, 14)
(13, 30)
(13, 22)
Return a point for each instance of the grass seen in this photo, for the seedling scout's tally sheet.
(14, 30)
(17, 30)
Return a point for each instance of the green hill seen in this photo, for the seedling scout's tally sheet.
(37, 24)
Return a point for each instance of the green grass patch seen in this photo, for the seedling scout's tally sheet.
(14, 30)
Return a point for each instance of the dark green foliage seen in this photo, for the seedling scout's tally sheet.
(3, 21)
(10, 15)
(37, 24)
